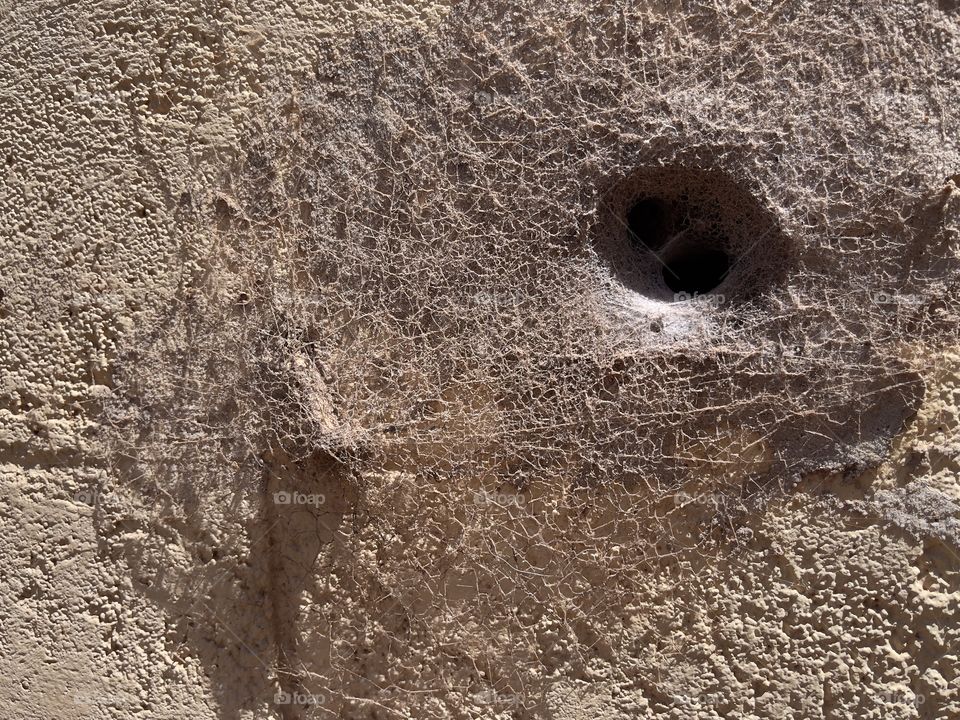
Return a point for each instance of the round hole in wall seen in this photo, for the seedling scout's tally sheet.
(703, 224)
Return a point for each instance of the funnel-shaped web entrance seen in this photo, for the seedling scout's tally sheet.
(674, 233)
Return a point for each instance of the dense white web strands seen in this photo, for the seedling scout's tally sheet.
(456, 288)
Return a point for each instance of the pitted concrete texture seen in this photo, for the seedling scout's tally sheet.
(119, 123)
(116, 119)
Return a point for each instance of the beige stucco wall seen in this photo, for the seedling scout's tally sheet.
(117, 121)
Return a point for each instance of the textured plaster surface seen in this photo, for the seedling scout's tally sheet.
(116, 122)
(115, 117)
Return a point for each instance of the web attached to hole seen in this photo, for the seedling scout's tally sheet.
(410, 280)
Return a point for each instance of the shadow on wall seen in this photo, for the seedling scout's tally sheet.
(229, 586)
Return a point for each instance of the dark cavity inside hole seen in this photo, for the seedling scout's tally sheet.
(648, 223)
(697, 270)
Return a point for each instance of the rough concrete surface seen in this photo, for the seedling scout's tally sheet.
(121, 124)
